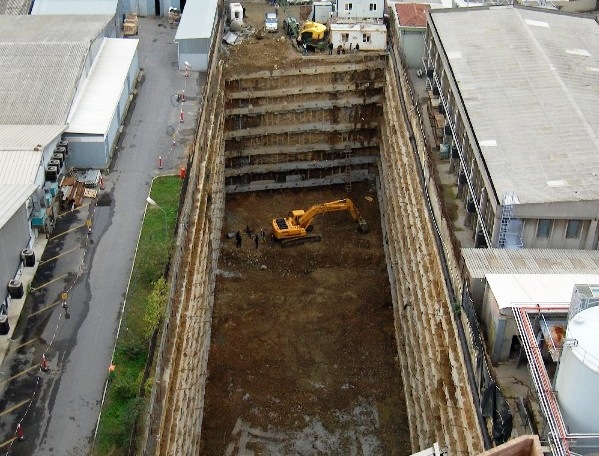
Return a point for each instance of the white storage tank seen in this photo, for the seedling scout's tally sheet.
(577, 379)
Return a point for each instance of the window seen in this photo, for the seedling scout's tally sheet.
(544, 228)
(366, 38)
(348, 6)
(344, 37)
(573, 229)
(373, 7)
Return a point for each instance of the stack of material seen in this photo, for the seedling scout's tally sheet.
(72, 193)
(174, 16)
(130, 24)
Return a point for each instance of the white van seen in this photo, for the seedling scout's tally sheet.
(271, 22)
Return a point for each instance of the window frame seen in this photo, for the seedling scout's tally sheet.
(575, 235)
(542, 234)
(348, 7)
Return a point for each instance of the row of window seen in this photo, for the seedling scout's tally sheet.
(572, 230)
(365, 37)
(350, 7)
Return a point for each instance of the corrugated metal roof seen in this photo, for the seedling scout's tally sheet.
(94, 107)
(19, 166)
(517, 290)
(51, 29)
(533, 105)
(26, 137)
(480, 262)
(13, 197)
(14, 7)
(41, 60)
(197, 20)
(51, 7)
(38, 81)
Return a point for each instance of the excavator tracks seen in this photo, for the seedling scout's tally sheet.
(298, 241)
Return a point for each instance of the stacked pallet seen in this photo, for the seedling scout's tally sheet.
(130, 24)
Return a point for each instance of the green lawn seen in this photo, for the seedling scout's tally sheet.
(144, 306)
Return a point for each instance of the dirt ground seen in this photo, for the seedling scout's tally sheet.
(303, 357)
(263, 51)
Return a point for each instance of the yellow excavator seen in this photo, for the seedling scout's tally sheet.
(294, 229)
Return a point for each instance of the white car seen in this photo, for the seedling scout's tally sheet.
(271, 22)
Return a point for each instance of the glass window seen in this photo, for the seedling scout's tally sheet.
(344, 37)
(544, 228)
(373, 7)
(573, 229)
(366, 37)
(348, 6)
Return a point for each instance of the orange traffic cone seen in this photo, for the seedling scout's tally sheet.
(160, 165)
(181, 116)
(183, 96)
(44, 364)
(20, 435)
(101, 182)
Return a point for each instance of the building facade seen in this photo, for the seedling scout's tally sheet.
(520, 126)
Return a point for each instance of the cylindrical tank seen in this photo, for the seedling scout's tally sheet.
(577, 379)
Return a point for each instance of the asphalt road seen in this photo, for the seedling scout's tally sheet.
(59, 409)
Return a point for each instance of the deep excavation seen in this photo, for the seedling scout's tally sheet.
(378, 370)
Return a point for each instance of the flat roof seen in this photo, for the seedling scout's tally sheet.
(27, 137)
(372, 25)
(96, 103)
(533, 105)
(197, 20)
(51, 7)
(13, 197)
(51, 29)
(41, 61)
(520, 290)
(480, 262)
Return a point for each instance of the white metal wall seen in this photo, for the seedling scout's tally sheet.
(14, 237)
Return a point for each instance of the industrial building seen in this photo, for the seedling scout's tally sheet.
(522, 126)
(82, 7)
(65, 85)
(196, 32)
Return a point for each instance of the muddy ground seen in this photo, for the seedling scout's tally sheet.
(303, 357)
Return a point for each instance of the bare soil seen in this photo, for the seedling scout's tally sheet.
(303, 358)
(257, 50)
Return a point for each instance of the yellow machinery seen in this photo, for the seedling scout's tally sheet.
(295, 228)
(313, 34)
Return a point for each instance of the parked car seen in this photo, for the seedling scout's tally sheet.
(271, 22)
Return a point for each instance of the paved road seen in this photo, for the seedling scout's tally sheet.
(66, 400)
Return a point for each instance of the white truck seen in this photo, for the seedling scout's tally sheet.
(271, 22)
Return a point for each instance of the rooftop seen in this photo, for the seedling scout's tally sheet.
(95, 105)
(549, 290)
(412, 14)
(41, 60)
(14, 7)
(533, 106)
(480, 262)
(27, 137)
(197, 20)
(84, 7)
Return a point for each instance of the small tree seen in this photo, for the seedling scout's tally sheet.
(155, 306)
